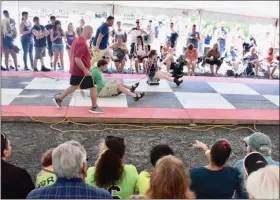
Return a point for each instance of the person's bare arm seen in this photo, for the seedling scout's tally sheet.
(112, 46)
(53, 38)
(22, 32)
(37, 34)
(81, 65)
(99, 38)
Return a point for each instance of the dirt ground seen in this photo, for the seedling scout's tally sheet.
(30, 140)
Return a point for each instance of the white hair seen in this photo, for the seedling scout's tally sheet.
(68, 159)
(264, 183)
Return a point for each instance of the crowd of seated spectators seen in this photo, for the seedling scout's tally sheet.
(65, 174)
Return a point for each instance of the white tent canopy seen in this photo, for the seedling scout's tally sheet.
(262, 12)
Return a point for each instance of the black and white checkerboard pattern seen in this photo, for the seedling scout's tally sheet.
(191, 94)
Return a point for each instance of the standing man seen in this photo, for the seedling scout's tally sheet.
(101, 40)
(172, 35)
(193, 37)
(40, 33)
(136, 31)
(79, 29)
(149, 37)
(49, 27)
(80, 71)
(221, 36)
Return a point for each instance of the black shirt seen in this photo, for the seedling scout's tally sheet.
(16, 183)
(49, 27)
(39, 42)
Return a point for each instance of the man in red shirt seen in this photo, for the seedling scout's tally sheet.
(80, 71)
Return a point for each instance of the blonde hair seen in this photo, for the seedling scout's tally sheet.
(170, 180)
(68, 27)
(264, 183)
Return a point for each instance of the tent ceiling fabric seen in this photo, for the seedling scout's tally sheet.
(264, 9)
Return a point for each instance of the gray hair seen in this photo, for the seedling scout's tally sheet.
(68, 159)
(265, 150)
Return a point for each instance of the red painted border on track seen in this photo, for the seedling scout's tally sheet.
(146, 114)
(140, 76)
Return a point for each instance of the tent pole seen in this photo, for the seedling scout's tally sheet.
(275, 32)
(200, 20)
(113, 9)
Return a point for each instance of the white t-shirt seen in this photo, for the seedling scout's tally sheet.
(134, 35)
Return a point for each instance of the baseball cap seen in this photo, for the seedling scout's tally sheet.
(5, 12)
(258, 140)
(253, 162)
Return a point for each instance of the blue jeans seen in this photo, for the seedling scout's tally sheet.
(27, 46)
(222, 45)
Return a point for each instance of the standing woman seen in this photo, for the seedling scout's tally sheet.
(57, 45)
(70, 35)
(119, 32)
(26, 40)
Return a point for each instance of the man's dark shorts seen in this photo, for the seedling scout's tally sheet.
(86, 83)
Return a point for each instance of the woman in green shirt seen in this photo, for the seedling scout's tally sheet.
(46, 176)
(110, 173)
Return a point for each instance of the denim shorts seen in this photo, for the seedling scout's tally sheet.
(7, 43)
(57, 47)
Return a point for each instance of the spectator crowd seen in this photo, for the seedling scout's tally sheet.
(65, 174)
(216, 44)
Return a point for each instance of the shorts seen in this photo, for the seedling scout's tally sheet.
(110, 89)
(57, 47)
(214, 62)
(8, 43)
(50, 52)
(40, 52)
(87, 82)
(98, 55)
(191, 61)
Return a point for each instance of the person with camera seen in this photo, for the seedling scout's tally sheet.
(119, 53)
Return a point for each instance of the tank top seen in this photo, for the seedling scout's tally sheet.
(70, 38)
(28, 27)
(139, 49)
(58, 40)
(120, 34)
(208, 39)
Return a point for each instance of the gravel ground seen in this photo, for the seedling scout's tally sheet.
(30, 140)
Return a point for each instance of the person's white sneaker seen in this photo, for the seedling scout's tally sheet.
(96, 110)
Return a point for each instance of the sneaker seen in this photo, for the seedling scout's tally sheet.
(44, 69)
(133, 88)
(96, 110)
(11, 67)
(57, 101)
(26, 68)
(178, 83)
(35, 69)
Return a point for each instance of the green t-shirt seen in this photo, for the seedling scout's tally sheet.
(143, 182)
(46, 179)
(124, 188)
(98, 78)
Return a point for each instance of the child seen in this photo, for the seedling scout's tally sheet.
(153, 70)
(191, 57)
(111, 88)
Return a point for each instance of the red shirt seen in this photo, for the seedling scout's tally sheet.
(80, 50)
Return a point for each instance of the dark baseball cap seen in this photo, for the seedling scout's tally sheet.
(258, 140)
(253, 162)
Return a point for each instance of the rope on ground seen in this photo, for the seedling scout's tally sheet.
(199, 128)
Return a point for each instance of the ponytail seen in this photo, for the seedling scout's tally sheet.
(109, 169)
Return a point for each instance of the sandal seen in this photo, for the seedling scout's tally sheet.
(139, 96)
(133, 88)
